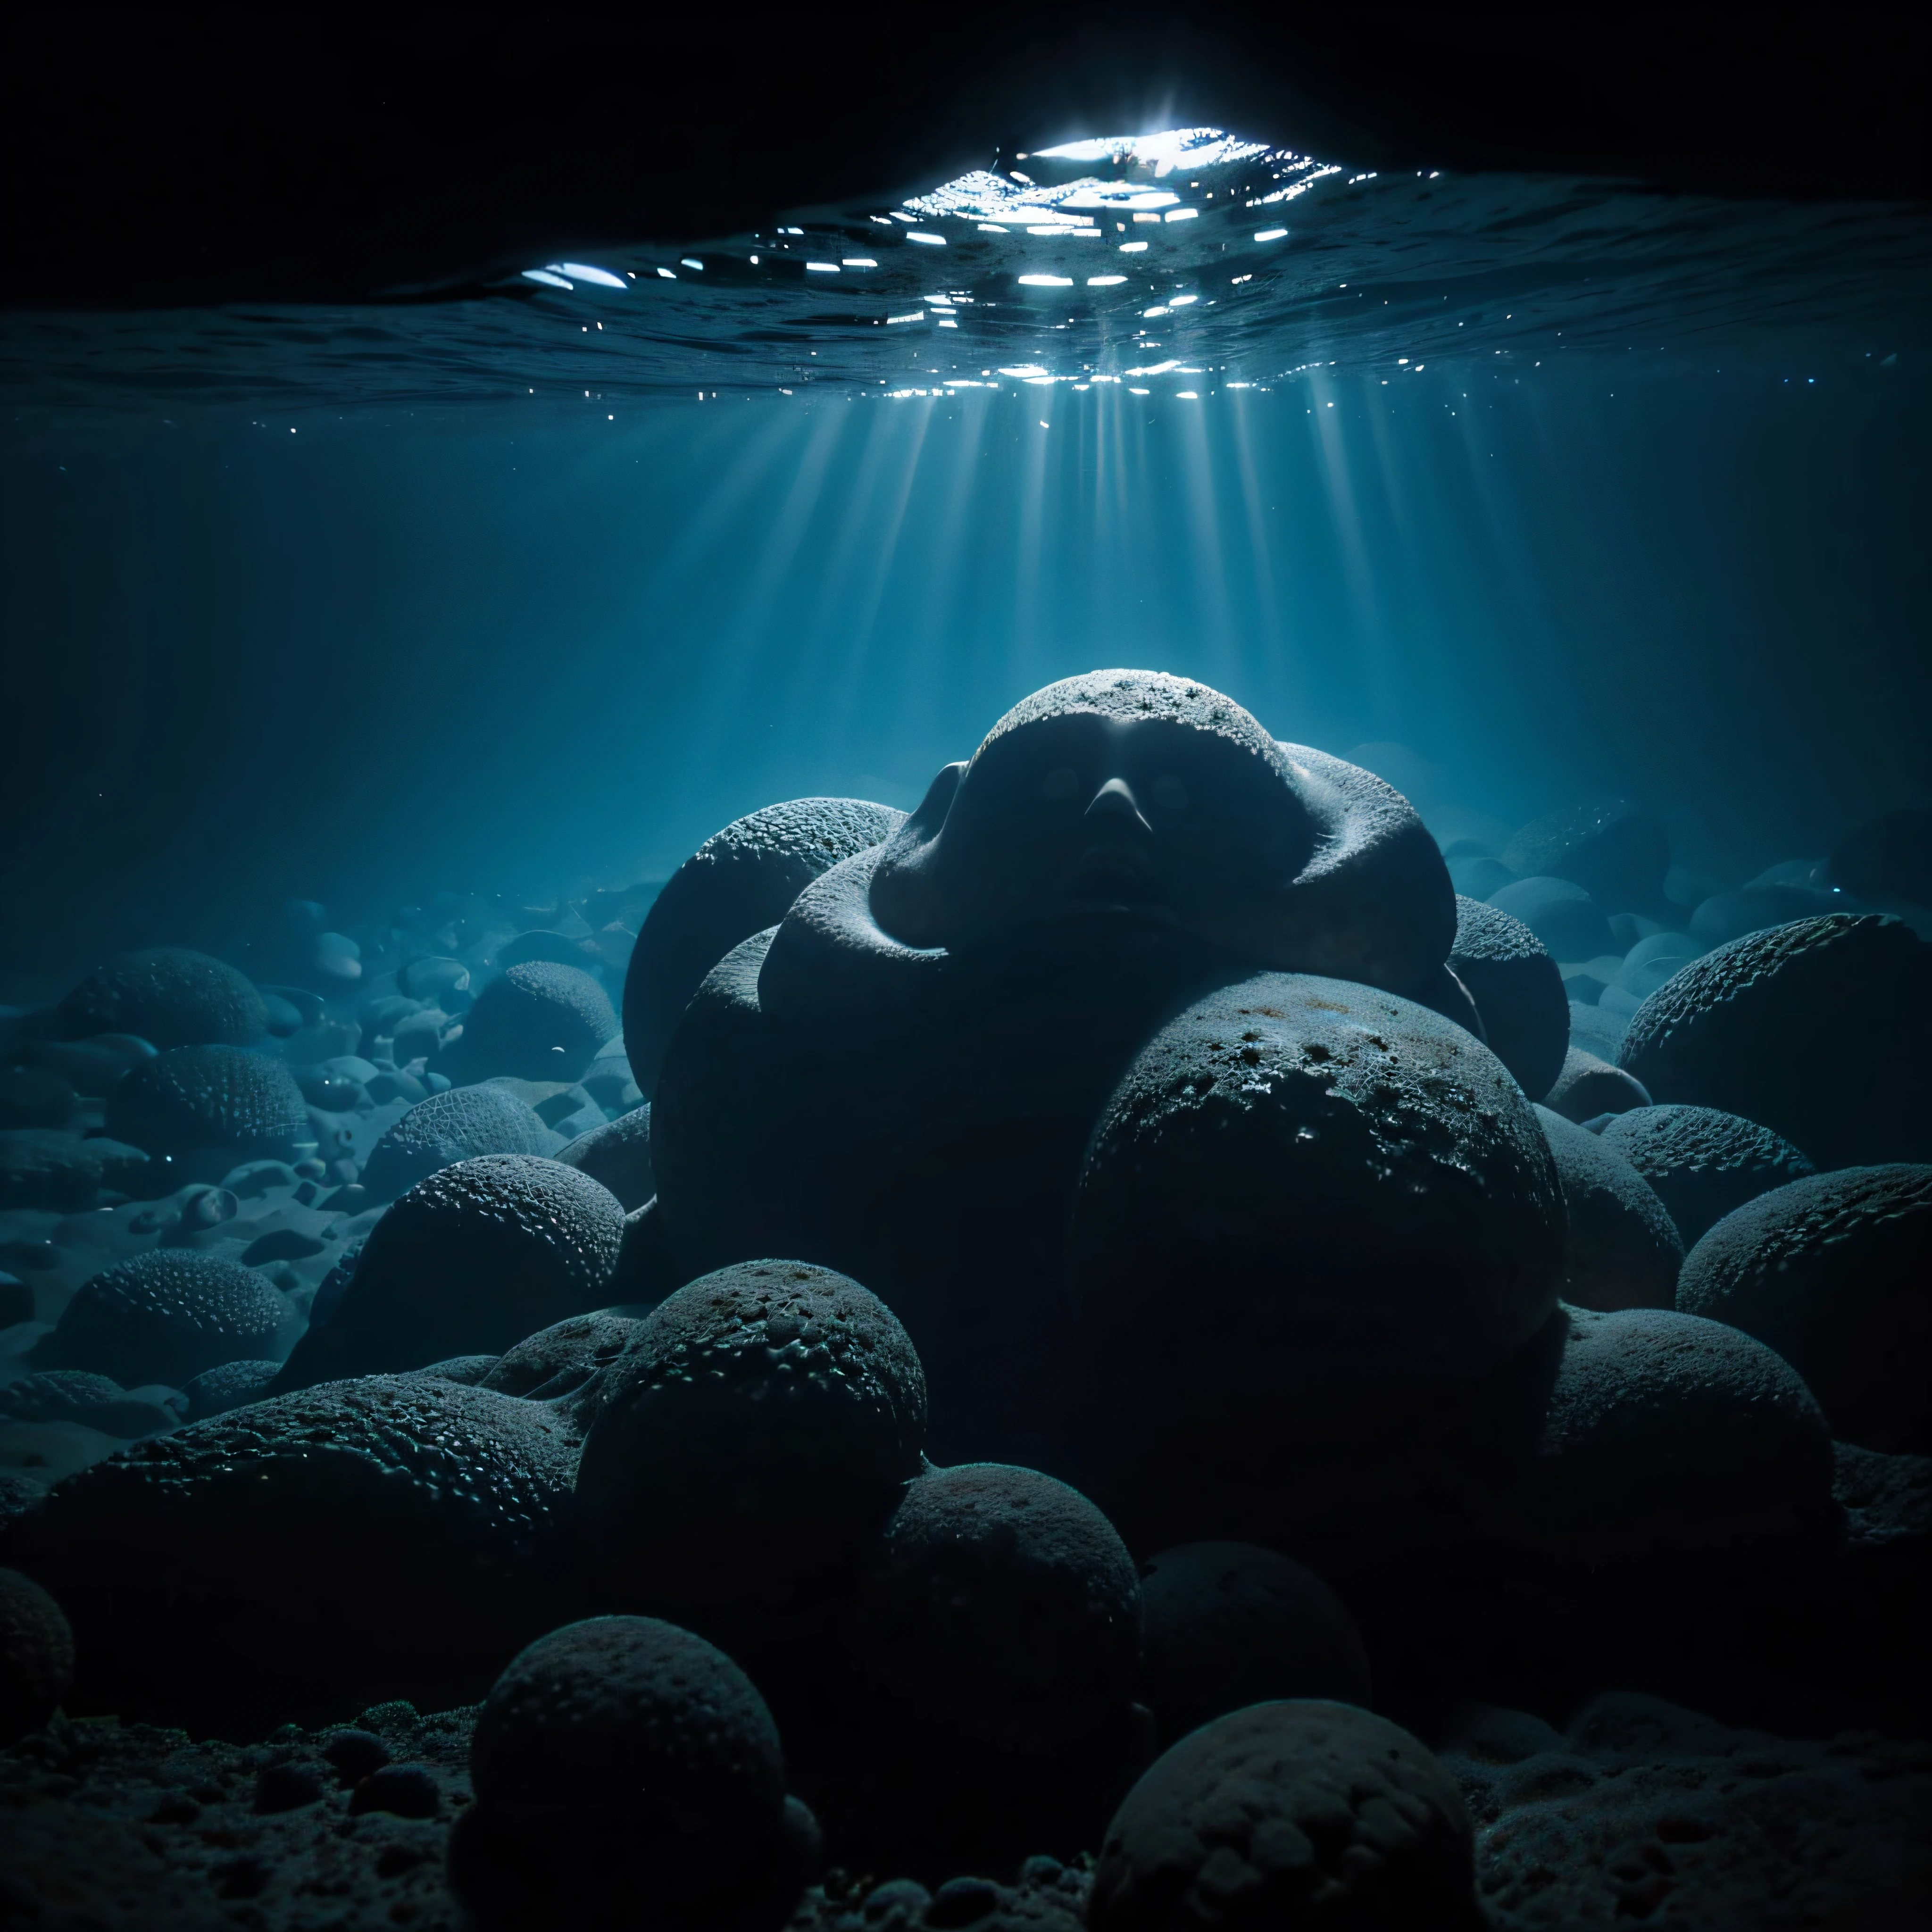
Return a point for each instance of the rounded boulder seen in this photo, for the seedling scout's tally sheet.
(169, 997)
(36, 1656)
(757, 1435)
(1292, 1814)
(458, 1124)
(1518, 989)
(167, 1316)
(1623, 1248)
(1228, 1625)
(1674, 1451)
(312, 1554)
(210, 1109)
(737, 882)
(1820, 1030)
(1001, 1603)
(468, 1262)
(1703, 1163)
(1832, 1271)
(540, 1021)
(621, 1754)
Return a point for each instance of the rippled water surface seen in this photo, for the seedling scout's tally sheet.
(1184, 263)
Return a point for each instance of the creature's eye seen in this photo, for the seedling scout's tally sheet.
(1063, 782)
(1170, 794)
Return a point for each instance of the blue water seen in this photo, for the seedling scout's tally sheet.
(379, 628)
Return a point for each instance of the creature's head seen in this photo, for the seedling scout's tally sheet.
(1123, 795)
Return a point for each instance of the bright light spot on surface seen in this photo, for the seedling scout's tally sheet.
(1047, 281)
(883, 220)
(1105, 281)
(687, 261)
(1025, 371)
(1156, 369)
(1194, 396)
(1181, 214)
(858, 262)
(1270, 234)
(821, 267)
(1147, 313)
(931, 241)
(1238, 385)
(669, 275)
(1197, 147)
(582, 271)
(944, 324)
(1146, 218)
(754, 261)
(549, 280)
(1133, 247)
(917, 315)
(1181, 301)
(1042, 422)
(909, 220)
(1140, 392)
(993, 228)
(1239, 280)
(791, 231)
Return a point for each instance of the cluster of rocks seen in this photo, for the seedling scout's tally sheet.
(1329, 1270)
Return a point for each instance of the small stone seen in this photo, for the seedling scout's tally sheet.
(963, 1901)
(356, 1754)
(409, 1790)
(286, 1787)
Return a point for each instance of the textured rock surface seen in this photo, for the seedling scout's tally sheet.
(541, 1021)
(1002, 1603)
(192, 1098)
(1703, 1163)
(623, 1757)
(618, 1154)
(166, 1317)
(1315, 1223)
(36, 1656)
(1643, 1810)
(1302, 1813)
(1228, 1625)
(757, 1434)
(1518, 989)
(470, 1262)
(1821, 1031)
(169, 997)
(569, 1364)
(1623, 1249)
(737, 882)
(395, 1537)
(60, 1173)
(1319, 1163)
(1673, 1449)
(447, 1127)
(134, 1827)
(1832, 1271)
(1588, 1086)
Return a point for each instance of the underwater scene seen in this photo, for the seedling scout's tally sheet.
(1056, 1055)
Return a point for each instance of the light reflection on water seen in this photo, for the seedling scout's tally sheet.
(1252, 263)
